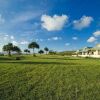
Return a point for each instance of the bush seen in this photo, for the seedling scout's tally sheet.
(1, 54)
(17, 58)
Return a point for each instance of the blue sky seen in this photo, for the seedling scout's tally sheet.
(58, 24)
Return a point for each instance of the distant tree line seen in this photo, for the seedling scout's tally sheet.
(69, 53)
(9, 48)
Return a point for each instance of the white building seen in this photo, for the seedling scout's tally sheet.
(89, 52)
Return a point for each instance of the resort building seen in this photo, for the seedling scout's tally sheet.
(89, 52)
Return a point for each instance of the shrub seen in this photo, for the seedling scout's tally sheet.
(1, 54)
(17, 58)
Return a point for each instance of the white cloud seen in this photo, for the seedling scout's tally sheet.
(54, 23)
(15, 42)
(36, 39)
(97, 33)
(55, 38)
(24, 42)
(84, 22)
(67, 44)
(91, 39)
(75, 38)
(12, 37)
(26, 16)
(41, 40)
(48, 39)
(2, 20)
(6, 37)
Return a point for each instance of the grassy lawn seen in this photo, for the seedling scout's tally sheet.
(49, 78)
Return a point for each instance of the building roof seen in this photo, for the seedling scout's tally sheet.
(86, 49)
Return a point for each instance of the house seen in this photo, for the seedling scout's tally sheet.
(89, 52)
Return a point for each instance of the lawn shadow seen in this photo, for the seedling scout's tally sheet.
(3, 58)
(35, 63)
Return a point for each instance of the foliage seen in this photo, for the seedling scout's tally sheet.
(33, 45)
(51, 52)
(27, 51)
(10, 47)
(1, 54)
(17, 58)
(46, 49)
(69, 53)
(17, 49)
(40, 51)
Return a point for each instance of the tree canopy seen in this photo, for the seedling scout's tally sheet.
(46, 49)
(10, 47)
(33, 45)
(41, 52)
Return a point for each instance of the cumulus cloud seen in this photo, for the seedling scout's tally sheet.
(12, 37)
(7, 37)
(75, 38)
(55, 38)
(97, 33)
(84, 22)
(54, 23)
(91, 39)
(39, 40)
(24, 42)
(15, 43)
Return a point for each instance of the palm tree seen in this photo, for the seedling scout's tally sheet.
(46, 49)
(33, 45)
(8, 48)
(41, 52)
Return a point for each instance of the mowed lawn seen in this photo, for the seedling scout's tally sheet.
(49, 78)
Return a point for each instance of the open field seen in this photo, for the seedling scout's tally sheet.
(49, 78)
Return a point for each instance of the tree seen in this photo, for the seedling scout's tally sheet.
(51, 52)
(17, 49)
(33, 45)
(8, 48)
(46, 49)
(27, 51)
(41, 52)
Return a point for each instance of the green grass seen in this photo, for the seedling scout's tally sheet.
(49, 78)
